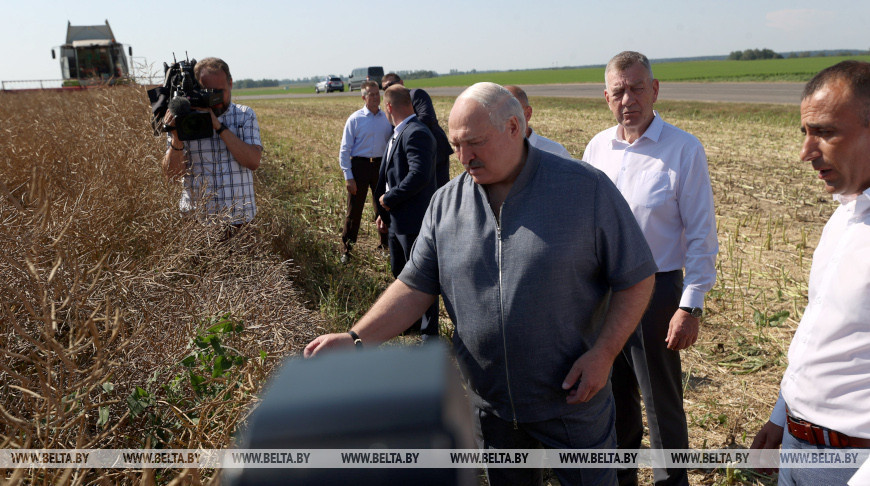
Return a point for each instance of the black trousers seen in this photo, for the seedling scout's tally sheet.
(365, 174)
(647, 366)
(400, 253)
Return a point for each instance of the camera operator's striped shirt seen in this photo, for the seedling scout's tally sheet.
(215, 184)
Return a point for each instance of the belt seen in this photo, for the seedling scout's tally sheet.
(817, 435)
(370, 159)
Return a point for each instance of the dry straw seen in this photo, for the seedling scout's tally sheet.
(103, 285)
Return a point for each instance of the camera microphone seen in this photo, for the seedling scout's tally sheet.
(179, 106)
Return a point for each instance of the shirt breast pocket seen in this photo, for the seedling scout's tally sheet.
(653, 188)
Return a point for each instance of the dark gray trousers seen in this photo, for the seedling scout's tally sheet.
(400, 253)
(365, 173)
(647, 366)
(579, 430)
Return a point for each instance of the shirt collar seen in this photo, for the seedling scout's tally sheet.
(368, 112)
(231, 108)
(847, 198)
(653, 131)
(400, 126)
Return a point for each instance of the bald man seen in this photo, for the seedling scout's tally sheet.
(545, 274)
(535, 140)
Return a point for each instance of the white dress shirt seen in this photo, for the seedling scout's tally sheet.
(663, 176)
(396, 131)
(365, 135)
(862, 476)
(548, 145)
(827, 381)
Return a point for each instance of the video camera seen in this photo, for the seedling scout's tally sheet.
(180, 94)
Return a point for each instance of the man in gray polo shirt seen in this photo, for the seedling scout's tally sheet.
(544, 272)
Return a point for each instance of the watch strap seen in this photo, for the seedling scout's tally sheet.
(356, 340)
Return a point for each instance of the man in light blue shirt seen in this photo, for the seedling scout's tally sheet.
(365, 137)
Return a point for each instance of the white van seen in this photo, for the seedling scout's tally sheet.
(363, 74)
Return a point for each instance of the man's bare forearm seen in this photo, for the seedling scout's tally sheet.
(394, 312)
(593, 367)
(246, 155)
(626, 308)
(174, 162)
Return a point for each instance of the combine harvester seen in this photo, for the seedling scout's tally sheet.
(90, 57)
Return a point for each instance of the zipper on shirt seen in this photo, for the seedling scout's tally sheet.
(501, 313)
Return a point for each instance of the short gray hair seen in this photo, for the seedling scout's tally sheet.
(625, 60)
(499, 102)
(369, 85)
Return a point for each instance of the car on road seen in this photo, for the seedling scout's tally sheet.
(329, 84)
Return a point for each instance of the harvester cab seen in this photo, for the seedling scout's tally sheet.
(92, 56)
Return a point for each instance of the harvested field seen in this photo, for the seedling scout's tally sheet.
(770, 213)
(105, 286)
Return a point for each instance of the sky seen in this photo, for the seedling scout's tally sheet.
(292, 39)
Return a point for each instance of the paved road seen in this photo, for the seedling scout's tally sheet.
(778, 93)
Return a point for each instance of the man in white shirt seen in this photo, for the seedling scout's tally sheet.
(362, 145)
(662, 173)
(536, 140)
(824, 397)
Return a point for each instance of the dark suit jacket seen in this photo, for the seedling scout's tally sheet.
(425, 111)
(410, 173)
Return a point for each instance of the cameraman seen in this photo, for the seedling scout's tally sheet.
(217, 171)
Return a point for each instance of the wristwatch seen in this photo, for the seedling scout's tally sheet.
(221, 128)
(696, 312)
(357, 342)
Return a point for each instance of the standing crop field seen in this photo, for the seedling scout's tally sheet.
(770, 213)
(122, 324)
(107, 293)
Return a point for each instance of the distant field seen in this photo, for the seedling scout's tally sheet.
(798, 70)
(766, 70)
(278, 90)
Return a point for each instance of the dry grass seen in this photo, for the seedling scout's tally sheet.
(769, 212)
(103, 285)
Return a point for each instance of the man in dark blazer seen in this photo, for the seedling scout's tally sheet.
(406, 183)
(425, 111)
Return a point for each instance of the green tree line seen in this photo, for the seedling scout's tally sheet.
(753, 54)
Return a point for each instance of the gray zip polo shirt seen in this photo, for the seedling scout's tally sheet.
(528, 292)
